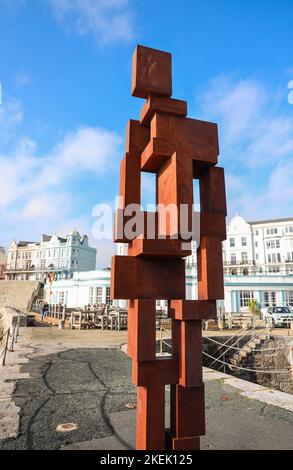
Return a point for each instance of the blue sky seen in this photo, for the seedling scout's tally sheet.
(65, 72)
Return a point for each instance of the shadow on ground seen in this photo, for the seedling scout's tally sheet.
(81, 386)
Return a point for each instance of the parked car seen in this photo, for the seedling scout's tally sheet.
(279, 316)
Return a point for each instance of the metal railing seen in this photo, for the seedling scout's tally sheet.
(250, 330)
(6, 345)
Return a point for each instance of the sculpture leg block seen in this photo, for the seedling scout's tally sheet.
(187, 411)
(182, 443)
(150, 418)
(142, 330)
(190, 361)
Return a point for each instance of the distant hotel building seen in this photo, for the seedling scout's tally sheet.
(261, 247)
(33, 261)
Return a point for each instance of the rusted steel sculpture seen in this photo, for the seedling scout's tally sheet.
(164, 141)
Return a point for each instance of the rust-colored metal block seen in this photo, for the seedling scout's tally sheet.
(175, 189)
(213, 224)
(165, 248)
(137, 137)
(159, 150)
(202, 135)
(181, 443)
(144, 278)
(130, 178)
(151, 72)
(212, 190)
(190, 310)
(187, 411)
(160, 104)
(190, 360)
(141, 344)
(156, 154)
(210, 277)
(150, 418)
(162, 371)
(128, 225)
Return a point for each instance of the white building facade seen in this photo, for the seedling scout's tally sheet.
(84, 288)
(61, 256)
(260, 247)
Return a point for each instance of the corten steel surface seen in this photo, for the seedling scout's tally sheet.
(177, 149)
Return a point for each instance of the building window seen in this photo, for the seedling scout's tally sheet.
(274, 269)
(245, 272)
(289, 297)
(245, 297)
(244, 257)
(108, 298)
(256, 244)
(277, 243)
(243, 241)
(272, 231)
(233, 258)
(61, 298)
(256, 232)
(269, 298)
(232, 242)
(99, 295)
(256, 256)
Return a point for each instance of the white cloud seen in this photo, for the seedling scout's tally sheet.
(107, 21)
(256, 142)
(38, 193)
(23, 78)
(11, 114)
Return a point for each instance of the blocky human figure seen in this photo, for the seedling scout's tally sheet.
(177, 149)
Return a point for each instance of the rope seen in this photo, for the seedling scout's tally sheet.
(240, 349)
(247, 369)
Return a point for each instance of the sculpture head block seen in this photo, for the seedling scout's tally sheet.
(151, 72)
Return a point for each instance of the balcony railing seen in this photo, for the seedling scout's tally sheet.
(33, 269)
(239, 263)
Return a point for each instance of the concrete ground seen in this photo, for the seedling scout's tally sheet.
(83, 378)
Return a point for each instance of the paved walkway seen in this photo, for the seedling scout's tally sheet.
(84, 378)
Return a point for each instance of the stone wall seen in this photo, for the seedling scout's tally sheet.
(273, 360)
(9, 318)
(17, 294)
